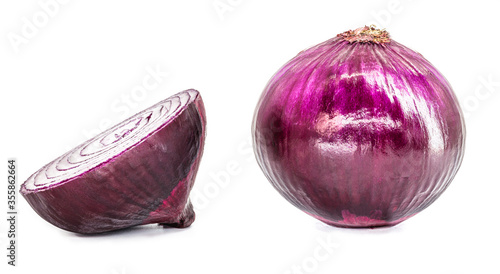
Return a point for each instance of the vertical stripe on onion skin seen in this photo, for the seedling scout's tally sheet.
(359, 131)
(138, 172)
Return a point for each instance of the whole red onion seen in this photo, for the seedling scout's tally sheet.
(138, 172)
(359, 131)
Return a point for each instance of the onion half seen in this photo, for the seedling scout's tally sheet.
(138, 172)
(359, 131)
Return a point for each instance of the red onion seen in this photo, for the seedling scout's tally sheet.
(138, 172)
(359, 131)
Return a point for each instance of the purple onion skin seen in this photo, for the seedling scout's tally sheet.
(147, 183)
(359, 134)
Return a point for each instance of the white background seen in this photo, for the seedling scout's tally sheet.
(71, 75)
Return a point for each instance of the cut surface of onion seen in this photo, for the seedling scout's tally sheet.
(138, 172)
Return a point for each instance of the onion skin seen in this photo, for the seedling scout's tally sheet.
(148, 182)
(359, 133)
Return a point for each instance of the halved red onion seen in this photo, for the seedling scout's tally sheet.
(359, 131)
(138, 172)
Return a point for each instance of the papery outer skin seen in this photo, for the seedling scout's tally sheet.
(148, 183)
(358, 134)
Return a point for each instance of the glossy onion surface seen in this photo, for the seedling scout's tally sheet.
(138, 172)
(358, 132)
